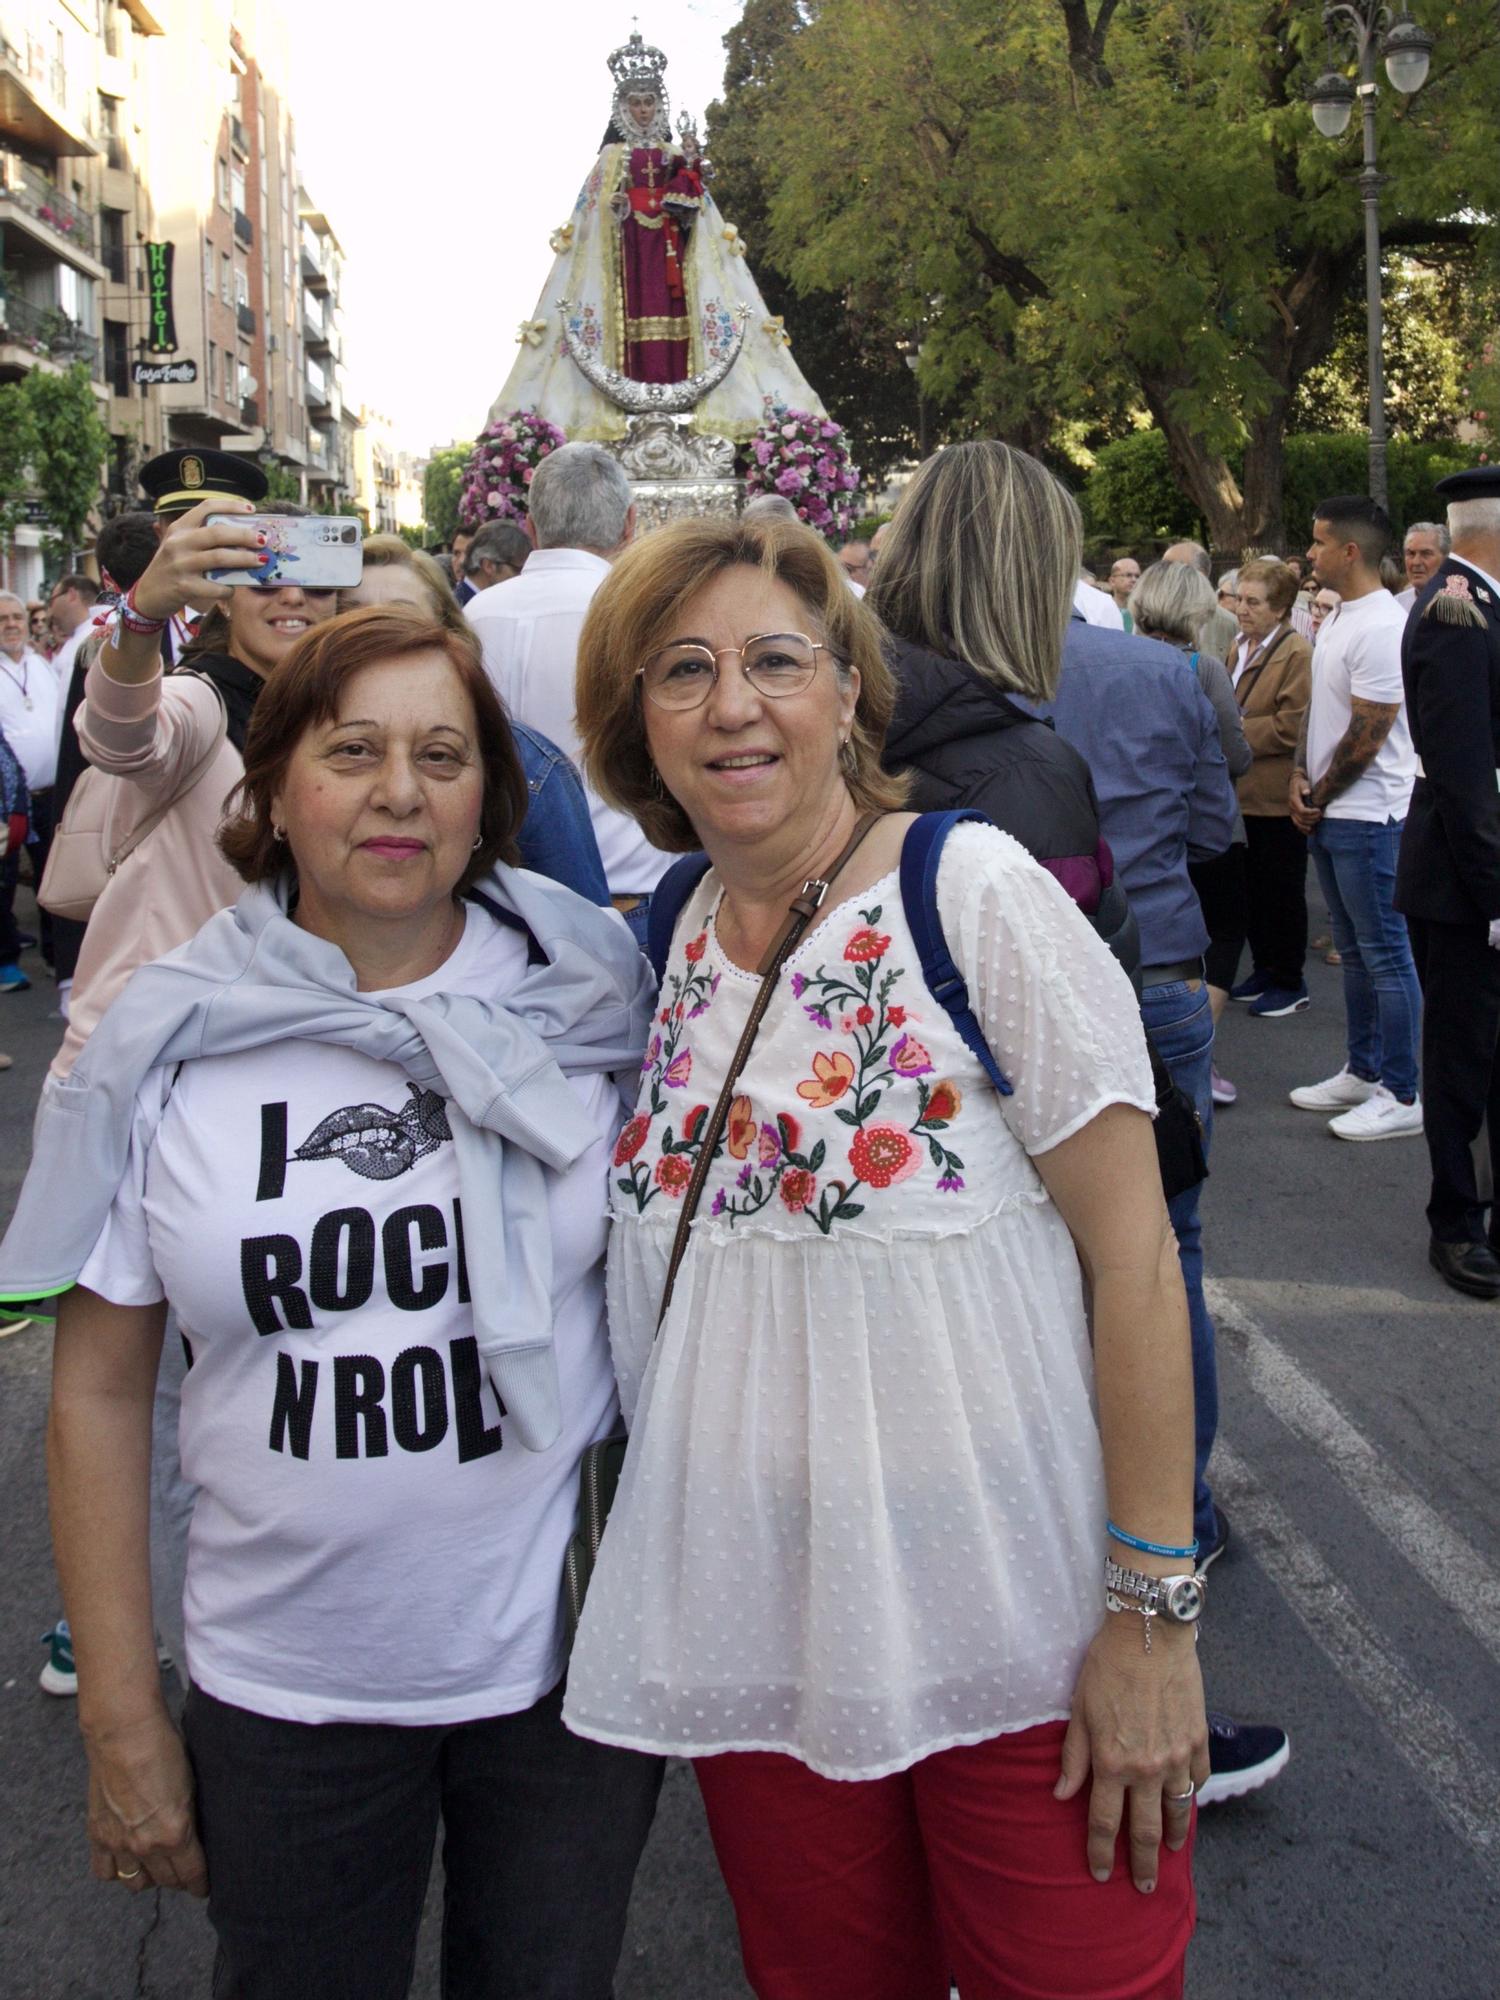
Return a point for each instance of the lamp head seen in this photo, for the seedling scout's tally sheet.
(1407, 49)
(1331, 102)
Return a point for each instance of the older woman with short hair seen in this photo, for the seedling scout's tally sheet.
(357, 1131)
(1272, 673)
(1175, 604)
(862, 1390)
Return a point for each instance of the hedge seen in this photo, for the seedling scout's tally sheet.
(1131, 499)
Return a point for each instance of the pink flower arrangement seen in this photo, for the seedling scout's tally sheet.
(501, 467)
(805, 458)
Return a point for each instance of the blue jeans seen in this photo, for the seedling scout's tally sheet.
(557, 834)
(1356, 864)
(1180, 1023)
(319, 1841)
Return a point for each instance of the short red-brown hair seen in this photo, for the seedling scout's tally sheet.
(1279, 579)
(305, 688)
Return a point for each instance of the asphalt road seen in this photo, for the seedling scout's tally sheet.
(1359, 1606)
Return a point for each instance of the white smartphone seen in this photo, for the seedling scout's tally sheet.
(316, 551)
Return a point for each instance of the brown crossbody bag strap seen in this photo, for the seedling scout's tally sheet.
(804, 908)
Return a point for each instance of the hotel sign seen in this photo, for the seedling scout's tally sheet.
(152, 374)
(161, 337)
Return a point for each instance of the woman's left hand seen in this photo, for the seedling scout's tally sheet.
(1138, 1722)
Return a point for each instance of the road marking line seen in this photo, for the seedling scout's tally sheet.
(1451, 1566)
(1447, 1764)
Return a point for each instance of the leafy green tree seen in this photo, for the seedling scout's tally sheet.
(1077, 205)
(847, 344)
(442, 484)
(70, 443)
(17, 446)
(281, 482)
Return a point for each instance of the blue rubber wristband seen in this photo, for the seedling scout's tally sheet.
(1149, 1548)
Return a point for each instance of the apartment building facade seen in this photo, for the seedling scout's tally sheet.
(130, 129)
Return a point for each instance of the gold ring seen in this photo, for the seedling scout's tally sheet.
(126, 1874)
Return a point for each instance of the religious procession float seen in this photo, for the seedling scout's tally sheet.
(651, 336)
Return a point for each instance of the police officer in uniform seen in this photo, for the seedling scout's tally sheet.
(173, 482)
(1448, 877)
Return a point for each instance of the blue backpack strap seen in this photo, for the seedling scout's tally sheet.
(921, 852)
(667, 899)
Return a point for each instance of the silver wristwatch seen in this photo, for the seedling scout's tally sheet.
(1180, 1598)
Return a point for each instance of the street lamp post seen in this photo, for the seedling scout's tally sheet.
(1407, 50)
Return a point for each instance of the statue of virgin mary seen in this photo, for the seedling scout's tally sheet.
(650, 303)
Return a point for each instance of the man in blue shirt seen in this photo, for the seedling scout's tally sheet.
(1148, 733)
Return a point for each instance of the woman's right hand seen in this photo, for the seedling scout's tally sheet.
(178, 573)
(141, 1809)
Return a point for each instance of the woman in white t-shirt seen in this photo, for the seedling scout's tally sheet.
(854, 1565)
(375, 1559)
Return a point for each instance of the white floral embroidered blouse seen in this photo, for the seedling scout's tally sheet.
(862, 1513)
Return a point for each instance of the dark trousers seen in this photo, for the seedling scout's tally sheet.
(1460, 978)
(1276, 898)
(10, 872)
(1219, 884)
(319, 1840)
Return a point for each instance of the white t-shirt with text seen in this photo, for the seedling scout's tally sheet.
(1358, 657)
(370, 1543)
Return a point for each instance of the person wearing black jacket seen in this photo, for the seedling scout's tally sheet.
(975, 590)
(1448, 874)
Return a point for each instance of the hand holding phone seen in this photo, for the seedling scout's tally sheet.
(312, 551)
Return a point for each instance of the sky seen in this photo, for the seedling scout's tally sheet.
(445, 140)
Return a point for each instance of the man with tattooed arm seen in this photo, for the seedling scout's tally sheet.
(1350, 788)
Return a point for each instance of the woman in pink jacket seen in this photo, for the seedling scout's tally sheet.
(156, 731)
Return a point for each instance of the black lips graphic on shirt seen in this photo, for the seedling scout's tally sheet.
(378, 1144)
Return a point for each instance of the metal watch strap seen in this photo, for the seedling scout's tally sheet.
(1152, 1595)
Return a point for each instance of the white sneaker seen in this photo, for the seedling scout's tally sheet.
(1381, 1116)
(1338, 1093)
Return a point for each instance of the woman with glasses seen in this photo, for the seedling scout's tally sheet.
(854, 1565)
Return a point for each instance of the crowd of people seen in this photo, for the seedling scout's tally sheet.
(753, 999)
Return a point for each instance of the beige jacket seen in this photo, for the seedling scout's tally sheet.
(1273, 697)
(154, 735)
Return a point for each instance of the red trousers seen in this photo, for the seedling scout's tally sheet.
(963, 1867)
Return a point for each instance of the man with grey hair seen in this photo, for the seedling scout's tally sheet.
(1190, 552)
(582, 514)
(497, 553)
(1448, 874)
(769, 507)
(1426, 544)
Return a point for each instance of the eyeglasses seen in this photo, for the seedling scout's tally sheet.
(774, 663)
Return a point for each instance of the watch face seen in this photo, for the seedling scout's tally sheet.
(1185, 1597)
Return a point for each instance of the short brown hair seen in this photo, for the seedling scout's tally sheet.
(633, 612)
(305, 689)
(1281, 582)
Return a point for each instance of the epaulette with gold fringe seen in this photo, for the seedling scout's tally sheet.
(1454, 604)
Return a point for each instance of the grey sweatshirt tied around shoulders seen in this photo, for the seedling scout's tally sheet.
(251, 977)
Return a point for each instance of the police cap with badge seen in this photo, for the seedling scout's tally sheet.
(174, 481)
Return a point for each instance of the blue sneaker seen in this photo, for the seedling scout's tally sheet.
(1242, 1757)
(1251, 988)
(1278, 1000)
(59, 1676)
(13, 979)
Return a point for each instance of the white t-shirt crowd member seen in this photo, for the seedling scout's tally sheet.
(529, 627)
(29, 700)
(368, 1543)
(1358, 657)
